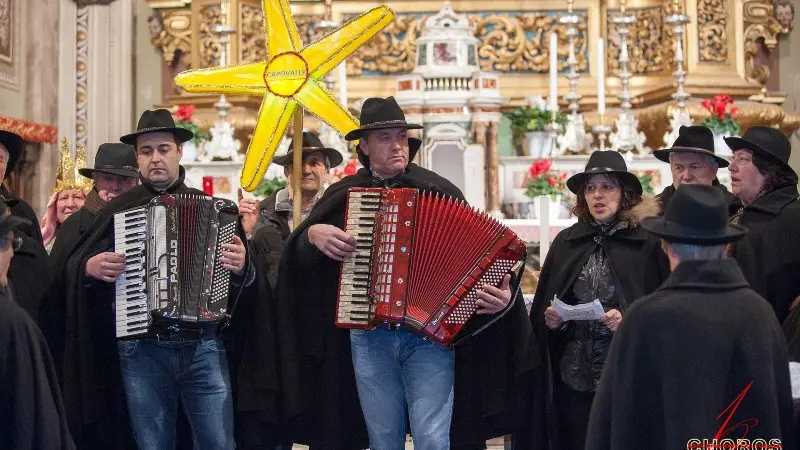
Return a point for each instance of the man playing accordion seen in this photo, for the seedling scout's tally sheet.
(395, 373)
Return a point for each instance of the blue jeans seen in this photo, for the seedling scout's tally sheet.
(156, 374)
(398, 372)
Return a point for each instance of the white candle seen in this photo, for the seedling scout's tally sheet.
(601, 79)
(343, 83)
(553, 72)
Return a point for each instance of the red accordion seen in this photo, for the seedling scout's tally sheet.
(420, 260)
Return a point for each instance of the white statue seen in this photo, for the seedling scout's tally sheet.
(223, 146)
(678, 118)
(575, 137)
(628, 137)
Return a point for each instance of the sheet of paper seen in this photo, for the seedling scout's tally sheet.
(794, 372)
(584, 311)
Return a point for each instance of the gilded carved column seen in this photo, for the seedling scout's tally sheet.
(492, 179)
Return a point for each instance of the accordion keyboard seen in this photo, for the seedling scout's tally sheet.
(355, 309)
(132, 311)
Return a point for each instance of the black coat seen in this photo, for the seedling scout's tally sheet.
(31, 411)
(734, 204)
(769, 254)
(683, 354)
(268, 240)
(639, 265)
(30, 276)
(319, 395)
(21, 208)
(91, 380)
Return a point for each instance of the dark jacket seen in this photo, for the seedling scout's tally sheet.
(93, 394)
(734, 204)
(319, 396)
(639, 265)
(269, 239)
(683, 354)
(31, 411)
(769, 254)
(30, 276)
(21, 208)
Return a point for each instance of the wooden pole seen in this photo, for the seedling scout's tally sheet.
(297, 168)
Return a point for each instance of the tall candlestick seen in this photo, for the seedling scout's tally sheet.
(601, 78)
(343, 83)
(553, 72)
(224, 11)
(622, 7)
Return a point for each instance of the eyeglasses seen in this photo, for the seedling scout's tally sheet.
(14, 242)
(605, 188)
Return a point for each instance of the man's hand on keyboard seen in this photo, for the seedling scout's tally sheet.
(105, 266)
(334, 242)
(234, 256)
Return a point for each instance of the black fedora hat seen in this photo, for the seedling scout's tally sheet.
(380, 113)
(693, 139)
(765, 141)
(114, 159)
(311, 144)
(697, 214)
(158, 121)
(14, 144)
(602, 163)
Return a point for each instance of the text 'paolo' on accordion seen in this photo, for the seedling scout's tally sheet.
(420, 260)
(173, 277)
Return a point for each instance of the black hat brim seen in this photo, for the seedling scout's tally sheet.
(87, 172)
(663, 154)
(574, 182)
(15, 144)
(737, 143)
(333, 156)
(358, 133)
(673, 232)
(181, 134)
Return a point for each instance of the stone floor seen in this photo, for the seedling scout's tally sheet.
(494, 444)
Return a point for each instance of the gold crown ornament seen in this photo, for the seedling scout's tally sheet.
(67, 176)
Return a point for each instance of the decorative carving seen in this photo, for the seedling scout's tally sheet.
(510, 42)
(81, 78)
(172, 34)
(30, 131)
(784, 13)
(712, 31)
(649, 49)
(252, 43)
(93, 2)
(210, 47)
(761, 32)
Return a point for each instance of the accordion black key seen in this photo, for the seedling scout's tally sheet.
(173, 277)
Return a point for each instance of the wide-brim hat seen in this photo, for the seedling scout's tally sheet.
(311, 144)
(693, 139)
(697, 214)
(604, 162)
(765, 141)
(114, 159)
(378, 114)
(9, 221)
(158, 121)
(14, 143)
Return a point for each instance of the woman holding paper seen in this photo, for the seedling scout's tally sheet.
(606, 257)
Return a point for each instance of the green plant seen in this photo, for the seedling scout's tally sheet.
(721, 120)
(542, 181)
(184, 115)
(268, 187)
(647, 182)
(532, 119)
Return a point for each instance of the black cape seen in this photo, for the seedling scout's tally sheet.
(318, 390)
(681, 357)
(31, 411)
(21, 208)
(92, 385)
(769, 254)
(30, 277)
(734, 204)
(639, 265)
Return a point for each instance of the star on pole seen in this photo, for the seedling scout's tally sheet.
(292, 75)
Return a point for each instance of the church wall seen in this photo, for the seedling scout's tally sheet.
(789, 48)
(148, 67)
(12, 87)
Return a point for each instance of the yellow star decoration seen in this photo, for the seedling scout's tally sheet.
(290, 76)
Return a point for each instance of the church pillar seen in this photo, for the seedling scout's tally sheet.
(96, 64)
(493, 163)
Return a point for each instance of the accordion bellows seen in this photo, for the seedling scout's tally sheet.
(173, 275)
(420, 260)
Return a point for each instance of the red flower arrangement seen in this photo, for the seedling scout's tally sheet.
(184, 116)
(542, 181)
(184, 113)
(350, 168)
(722, 118)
